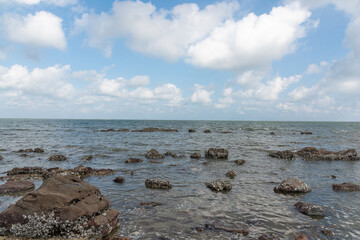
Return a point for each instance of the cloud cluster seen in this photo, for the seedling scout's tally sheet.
(60, 3)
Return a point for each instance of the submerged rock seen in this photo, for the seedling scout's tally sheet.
(133, 160)
(65, 207)
(272, 133)
(287, 154)
(154, 154)
(191, 130)
(115, 130)
(30, 150)
(220, 185)
(347, 186)
(231, 174)
(87, 158)
(1, 157)
(207, 131)
(152, 204)
(322, 154)
(16, 186)
(195, 155)
(158, 184)
(57, 158)
(310, 209)
(292, 185)
(327, 232)
(239, 162)
(119, 180)
(217, 153)
(306, 133)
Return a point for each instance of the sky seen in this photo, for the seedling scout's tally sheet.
(273, 60)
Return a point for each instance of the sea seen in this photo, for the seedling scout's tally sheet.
(251, 204)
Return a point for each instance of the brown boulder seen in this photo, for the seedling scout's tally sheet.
(220, 185)
(1, 157)
(16, 186)
(306, 133)
(26, 171)
(217, 153)
(207, 131)
(119, 180)
(64, 206)
(313, 153)
(158, 184)
(310, 209)
(347, 186)
(195, 155)
(154, 154)
(283, 155)
(239, 162)
(57, 158)
(133, 160)
(231, 174)
(191, 130)
(292, 185)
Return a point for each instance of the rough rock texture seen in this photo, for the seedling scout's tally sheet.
(217, 153)
(322, 154)
(133, 160)
(25, 171)
(292, 185)
(87, 158)
(119, 180)
(231, 174)
(173, 155)
(30, 150)
(239, 162)
(207, 131)
(269, 236)
(272, 133)
(115, 130)
(310, 209)
(191, 130)
(220, 185)
(347, 186)
(287, 154)
(153, 154)
(16, 186)
(301, 237)
(57, 158)
(306, 133)
(327, 232)
(158, 184)
(1, 157)
(64, 206)
(155, 130)
(195, 155)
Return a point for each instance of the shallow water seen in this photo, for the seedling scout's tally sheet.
(251, 203)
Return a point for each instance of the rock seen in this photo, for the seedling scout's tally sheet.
(119, 180)
(63, 207)
(292, 185)
(120, 238)
(154, 161)
(153, 154)
(152, 204)
(1, 157)
(231, 174)
(25, 155)
(26, 170)
(30, 150)
(327, 232)
(207, 131)
(173, 155)
(191, 130)
(310, 209)
(132, 173)
(115, 130)
(220, 185)
(216, 153)
(87, 158)
(16, 186)
(269, 236)
(195, 155)
(158, 184)
(83, 171)
(57, 158)
(272, 133)
(283, 155)
(155, 130)
(103, 172)
(306, 133)
(38, 150)
(301, 237)
(3, 150)
(239, 162)
(133, 160)
(347, 186)
(205, 163)
(333, 176)
(321, 154)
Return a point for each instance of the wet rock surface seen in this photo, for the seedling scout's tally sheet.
(64, 206)
(1, 157)
(57, 157)
(310, 209)
(322, 154)
(119, 180)
(30, 150)
(195, 155)
(158, 184)
(16, 186)
(155, 130)
(154, 154)
(287, 154)
(133, 160)
(216, 153)
(231, 174)
(239, 162)
(115, 130)
(306, 133)
(207, 131)
(292, 185)
(220, 185)
(347, 186)
(192, 130)
(173, 155)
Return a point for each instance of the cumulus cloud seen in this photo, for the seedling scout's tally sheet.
(43, 29)
(226, 99)
(158, 32)
(201, 95)
(314, 68)
(60, 3)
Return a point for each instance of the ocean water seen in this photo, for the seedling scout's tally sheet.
(251, 204)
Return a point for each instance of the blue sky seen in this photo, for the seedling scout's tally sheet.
(222, 60)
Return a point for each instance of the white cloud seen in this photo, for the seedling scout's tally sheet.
(314, 68)
(157, 32)
(60, 3)
(226, 100)
(43, 29)
(201, 95)
(139, 81)
(303, 92)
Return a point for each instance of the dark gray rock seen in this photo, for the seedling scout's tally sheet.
(347, 186)
(239, 162)
(191, 130)
(220, 185)
(57, 158)
(133, 160)
(195, 155)
(158, 184)
(292, 185)
(119, 180)
(231, 174)
(313, 153)
(283, 155)
(207, 131)
(154, 154)
(217, 153)
(310, 209)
